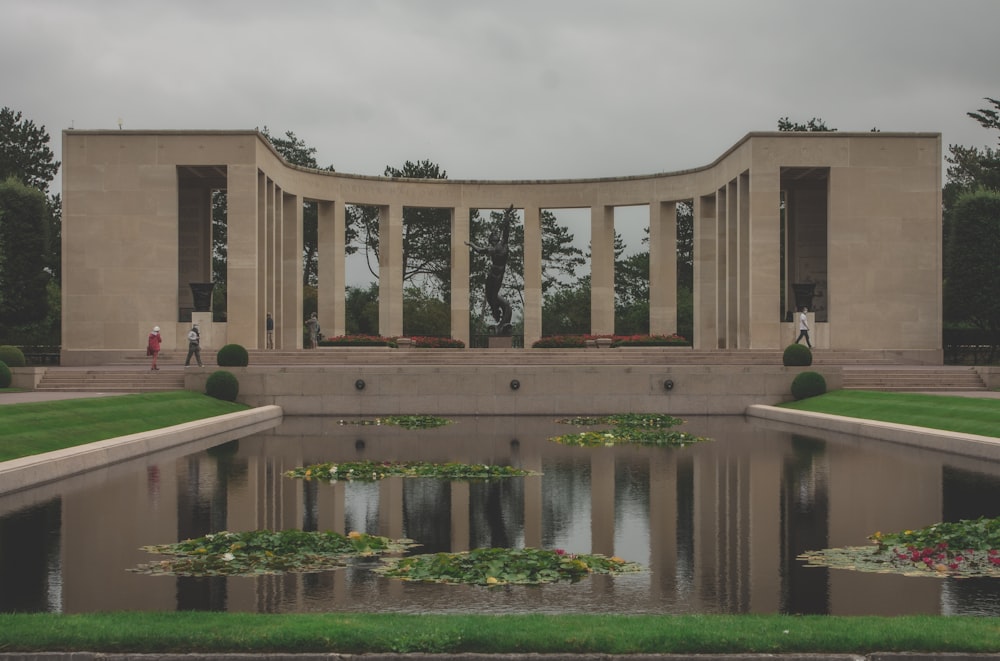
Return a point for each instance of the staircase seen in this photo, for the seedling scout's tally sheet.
(111, 380)
(901, 378)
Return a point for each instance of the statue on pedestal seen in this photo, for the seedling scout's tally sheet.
(498, 251)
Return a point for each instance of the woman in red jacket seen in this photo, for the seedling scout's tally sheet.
(153, 348)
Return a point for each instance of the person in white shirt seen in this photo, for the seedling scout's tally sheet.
(803, 328)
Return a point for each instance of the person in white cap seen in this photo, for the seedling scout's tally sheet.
(153, 347)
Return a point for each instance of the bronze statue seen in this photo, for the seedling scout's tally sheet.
(498, 252)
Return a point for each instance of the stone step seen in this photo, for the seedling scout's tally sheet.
(110, 380)
(914, 379)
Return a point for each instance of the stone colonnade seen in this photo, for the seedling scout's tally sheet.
(862, 223)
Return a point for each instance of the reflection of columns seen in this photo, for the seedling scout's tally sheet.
(390, 270)
(331, 507)
(602, 503)
(662, 268)
(602, 270)
(459, 517)
(390, 514)
(332, 275)
(662, 523)
(532, 275)
(460, 274)
(291, 265)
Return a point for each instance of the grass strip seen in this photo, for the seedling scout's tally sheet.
(36, 427)
(968, 415)
(204, 632)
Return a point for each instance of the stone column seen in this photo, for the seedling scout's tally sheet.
(764, 199)
(602, 270)
(460, 274)
(532, 275)
(705, 286)
(332, 267)
(662, 268)
(266, 289)
(241, 279)
(291, 267)
(390, 270)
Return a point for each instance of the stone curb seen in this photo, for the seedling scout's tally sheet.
(32, 471)
(970, 445)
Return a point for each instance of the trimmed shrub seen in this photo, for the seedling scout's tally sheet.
(12, 356)
(5, 376)
(222, 385)
(797, 355)
(808, 384)
(232, 355)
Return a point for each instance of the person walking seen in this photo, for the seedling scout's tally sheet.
(153, 347)
(269, 327)
(803, 328)
(194, 345)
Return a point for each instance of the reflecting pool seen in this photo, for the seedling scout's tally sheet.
(718, 525)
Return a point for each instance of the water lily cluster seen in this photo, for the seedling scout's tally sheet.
(963, 549)
(498, 566)
(636, 428)
(372, 471)
(267, 552)
(404, 421)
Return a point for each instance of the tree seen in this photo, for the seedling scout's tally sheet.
(361, 310)
(814, 124)
(424, 314)
(974, 276)
(23, 254)
(24, 151)
(426, 234)
(566, 310)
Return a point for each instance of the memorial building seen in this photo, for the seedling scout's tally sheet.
(847, 224)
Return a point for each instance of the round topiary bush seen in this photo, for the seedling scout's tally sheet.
(808, 384)
(222, 385)
(232, 355)
(12, 356)
(797, 355)
(5, 375)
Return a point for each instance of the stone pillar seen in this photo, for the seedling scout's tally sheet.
(390, 270)
(291, 265)
(460, 274)
(705, 285)
(266, 289)
(602, 270)
(244, 256)
(765, 260)
(332, 284)
(532, 275)
(662, 268)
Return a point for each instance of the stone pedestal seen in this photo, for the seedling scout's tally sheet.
(501, 342)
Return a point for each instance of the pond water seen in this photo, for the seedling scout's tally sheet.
(717, 525)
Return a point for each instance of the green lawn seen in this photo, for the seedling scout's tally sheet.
(36, 427)
(969, 415)
(348, 633)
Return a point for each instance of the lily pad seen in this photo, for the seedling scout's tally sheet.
(498, 566)
(962, 549)
(628, 428)
(404, 421)
(267, 552)
(372, 471)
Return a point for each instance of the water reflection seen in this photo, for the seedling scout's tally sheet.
(719, 525)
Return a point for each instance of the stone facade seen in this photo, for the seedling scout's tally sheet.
(855, 215)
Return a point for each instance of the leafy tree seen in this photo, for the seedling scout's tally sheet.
(361, 310)
(566, 310)
(974, 276)
(23, 252)
(424, 314)
(24, 151)
(814, 124)
(426, 234)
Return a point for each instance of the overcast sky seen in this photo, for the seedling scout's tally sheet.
(508, 89)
